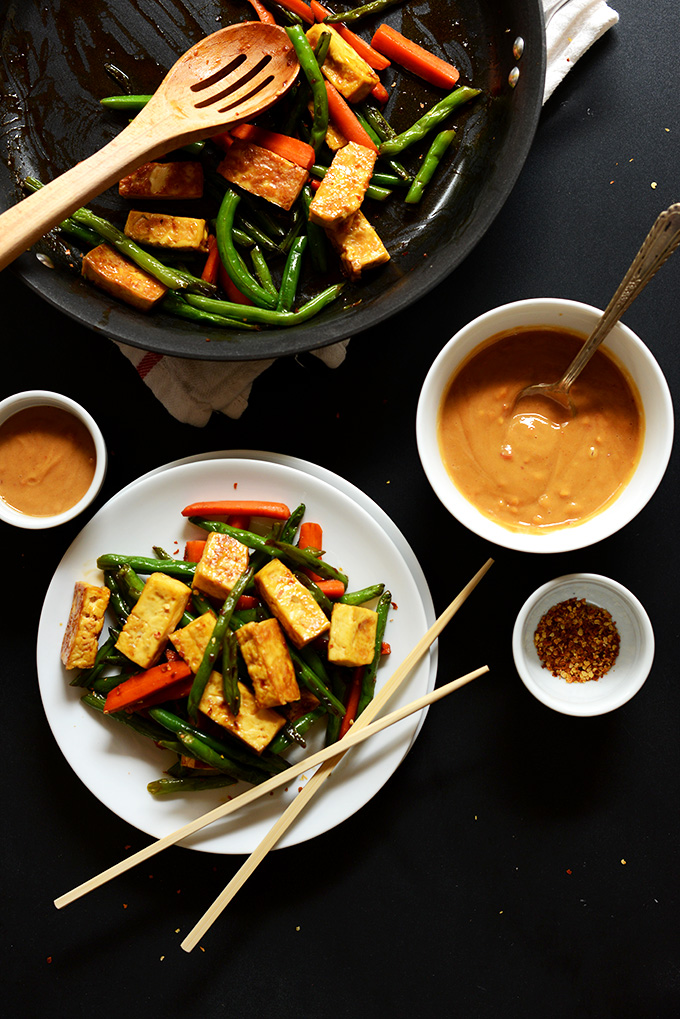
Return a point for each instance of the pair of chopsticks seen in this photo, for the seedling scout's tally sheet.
(326, 761)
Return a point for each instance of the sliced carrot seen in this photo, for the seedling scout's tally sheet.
(344, 119)
(331, 588)
(352, 701)
(414, 58)
(229, 507)
(298, 7)
(193, 550)
(153, 686)
(292, 149)
(247, 601)
(230, 288)
(263, 14)
(374, 59)
(212, 262)
(222, 140)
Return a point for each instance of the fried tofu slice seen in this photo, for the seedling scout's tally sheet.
(178, 233)
(343, 66)
(146, 631)
(109, 270)
(269, 664)
(263, 173)
(223, 561)
(351, 640)
(192, 640)
(291, 603)
(358, 244)
(183, 179)
(255, 726)
(342, 190)
(85, 622)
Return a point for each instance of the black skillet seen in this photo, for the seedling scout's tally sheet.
(54, 71)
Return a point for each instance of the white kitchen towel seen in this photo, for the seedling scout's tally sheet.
(192, 390)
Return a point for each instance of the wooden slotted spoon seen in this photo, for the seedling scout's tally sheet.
(229, 76)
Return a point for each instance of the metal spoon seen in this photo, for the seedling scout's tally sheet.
(658, 246)
(229, 76)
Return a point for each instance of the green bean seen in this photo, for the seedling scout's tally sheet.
(128, 104)
(305, 559)
(240, 767)
(106, 655)
(363, 11)
(266, 316)
(312, 72)
(314, 683)
(318, 247)
(339, 688)
(117, 602)
(200, 751)
(262, 272)
(141, 564)
(214, 645)
(362, 596)
(187, 784)
(105, 684)
(368, 679)
(140, 724)
(232, 260)
(82, 233)
(232, 696)
(291, 525)
(401, 174)
(429, 121)
(322, 600)
(378, 194)
(442, 141)
(293, 731)
(176, 305)
(254, 234)
(291, 274)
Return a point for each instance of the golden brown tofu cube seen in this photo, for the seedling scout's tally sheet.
(255, 726)
(269, 664)
(164, 180)
(223, 561)
(343, 66)
(179, 233)
(263, 173)
(146, 631)
(352, 637)
(291, 603)
(192, 640)
(358, 245)
(342, 190)
(85, 622)
(113, 273)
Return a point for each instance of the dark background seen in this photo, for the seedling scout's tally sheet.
(520, 862)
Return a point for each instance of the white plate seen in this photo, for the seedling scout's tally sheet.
(115, 763)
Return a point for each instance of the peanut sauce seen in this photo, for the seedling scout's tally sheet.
(526, 466)
(47, 461)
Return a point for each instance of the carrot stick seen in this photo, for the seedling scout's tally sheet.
(263, 14)
(311, 536)
(222, 140)
(193, 550)
(239, 520)
(374, 59)
(292, 149)
(352, 701)
(343, 118)
(414, 58)
(247, 601)
(380, 93)
(229, 507)
(153, 686)
(230, 288)
(298, 7)
(212, 262)
(331, 588)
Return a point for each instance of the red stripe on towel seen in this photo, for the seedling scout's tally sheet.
(148, 362)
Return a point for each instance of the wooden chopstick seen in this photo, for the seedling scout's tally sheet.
(354, 736)
(325, 770)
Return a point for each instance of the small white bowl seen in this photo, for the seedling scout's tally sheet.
(635, 357)
(633, 663)
(43, 398)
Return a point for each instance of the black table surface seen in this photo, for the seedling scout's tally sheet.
(520, 861)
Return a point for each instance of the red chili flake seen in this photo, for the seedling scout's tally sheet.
(577, 641)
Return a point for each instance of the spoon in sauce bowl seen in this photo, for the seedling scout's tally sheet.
(229, 76)
(657, 247)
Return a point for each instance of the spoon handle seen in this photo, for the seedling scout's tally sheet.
(657, 247)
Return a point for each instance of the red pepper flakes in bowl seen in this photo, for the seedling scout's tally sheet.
(577, 641)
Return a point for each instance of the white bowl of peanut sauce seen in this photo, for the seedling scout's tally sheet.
(53, 459)
(524, 476)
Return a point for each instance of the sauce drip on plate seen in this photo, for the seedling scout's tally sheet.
(47, 461)
(526, 465)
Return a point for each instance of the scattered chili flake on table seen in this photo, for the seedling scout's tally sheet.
(577, 641)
